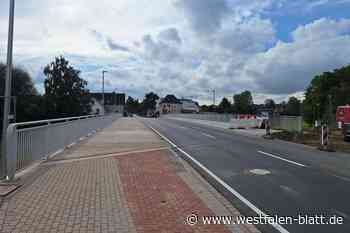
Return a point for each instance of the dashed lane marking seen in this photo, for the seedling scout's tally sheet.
(208, 135)
(280, 158)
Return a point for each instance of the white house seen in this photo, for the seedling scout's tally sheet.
(114, 103)
(168, 104)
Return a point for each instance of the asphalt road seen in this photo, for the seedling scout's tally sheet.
(292, 180)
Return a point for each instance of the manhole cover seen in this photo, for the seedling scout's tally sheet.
(260, 172)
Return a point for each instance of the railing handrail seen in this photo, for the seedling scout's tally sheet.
(52, 120)
(14, 142)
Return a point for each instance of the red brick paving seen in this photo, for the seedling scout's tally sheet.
(158, 199)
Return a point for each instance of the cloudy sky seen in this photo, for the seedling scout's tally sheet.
(184, 47)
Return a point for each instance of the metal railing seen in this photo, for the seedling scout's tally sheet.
(28, 142)
(204, 116)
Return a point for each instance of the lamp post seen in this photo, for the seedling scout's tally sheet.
(214, 96)
(8, 82)
(103, 87)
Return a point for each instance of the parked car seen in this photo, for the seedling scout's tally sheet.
(343, 119)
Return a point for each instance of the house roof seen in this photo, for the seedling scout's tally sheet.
(170, 99)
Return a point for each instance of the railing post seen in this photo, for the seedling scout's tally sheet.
(11, 152)
(2, 158)
(66, 140)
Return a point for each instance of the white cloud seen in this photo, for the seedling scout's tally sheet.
(289, 67)
(250, 36)
(170, 35)
(322, 29)
(310, 5)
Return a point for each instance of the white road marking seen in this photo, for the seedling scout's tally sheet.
(208, 135)
(220, 181)
(342, 178)
(280, 158)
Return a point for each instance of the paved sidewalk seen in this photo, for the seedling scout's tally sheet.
(124, 135)
(134, 184)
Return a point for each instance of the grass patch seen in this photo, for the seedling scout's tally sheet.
(307, 125)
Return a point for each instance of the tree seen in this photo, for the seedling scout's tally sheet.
(29, 104)
(243, 103)
(334, 84)
(65, 92)
(270, 103)
(225, 106)
(293, 106)
(213, 108)
(204, 108)
(132, 105)
(149, 103)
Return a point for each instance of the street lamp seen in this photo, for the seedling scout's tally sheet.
(8, 86)
(214, 95)
(103, 87)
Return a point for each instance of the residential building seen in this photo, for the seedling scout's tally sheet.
(169, 104)
(114, 103)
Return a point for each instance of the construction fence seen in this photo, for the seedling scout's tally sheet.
(288, 123)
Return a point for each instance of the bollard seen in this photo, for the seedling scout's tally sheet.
(323, 135)
(268, 130)
(325, 143)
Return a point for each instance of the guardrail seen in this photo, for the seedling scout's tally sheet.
(28, 142)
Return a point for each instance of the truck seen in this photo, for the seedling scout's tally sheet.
(343, 119)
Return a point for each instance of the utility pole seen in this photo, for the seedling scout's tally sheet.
(14, 107)
(8, 86)
(214, 96)
(301, 116)
(103, 87)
